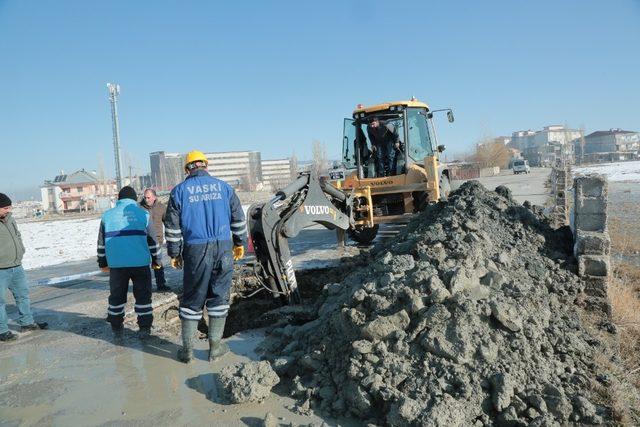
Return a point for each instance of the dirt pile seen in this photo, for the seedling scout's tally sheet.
(467, 318)
(247, 382)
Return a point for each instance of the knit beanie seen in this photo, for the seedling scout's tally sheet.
(4, 200)
(127, 193)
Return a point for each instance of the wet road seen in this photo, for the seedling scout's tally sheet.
(529, 186)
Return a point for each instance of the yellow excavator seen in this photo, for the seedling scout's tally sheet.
(417, 177)
(361, 198)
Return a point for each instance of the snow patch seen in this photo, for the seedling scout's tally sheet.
(620, 171)
(55, 242)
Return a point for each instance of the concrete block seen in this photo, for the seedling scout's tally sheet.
(596, 286)
(593, 266)
(591, 186)
(591, 243)
(591, 205)
(590, 222)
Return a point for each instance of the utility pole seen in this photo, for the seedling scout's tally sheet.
(114, 91)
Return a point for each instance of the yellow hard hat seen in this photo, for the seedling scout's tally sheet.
(195, 156)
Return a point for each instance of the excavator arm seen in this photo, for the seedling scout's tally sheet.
(302, 203)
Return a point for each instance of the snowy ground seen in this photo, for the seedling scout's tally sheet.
(621, 171)
(56, 242)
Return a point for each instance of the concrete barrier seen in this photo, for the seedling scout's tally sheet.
(492, 171)
(559, 179)
(592, 245)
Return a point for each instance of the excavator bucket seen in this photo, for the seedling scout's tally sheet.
(302, 203)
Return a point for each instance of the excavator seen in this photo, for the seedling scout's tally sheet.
(358, 200)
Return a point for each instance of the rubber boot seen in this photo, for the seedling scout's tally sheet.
(118, 333)
(216, 347)
(185, 354)
(144, 332)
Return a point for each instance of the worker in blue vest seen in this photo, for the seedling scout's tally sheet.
(205, 230)
(126, 249)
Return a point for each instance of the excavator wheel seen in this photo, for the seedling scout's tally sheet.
(420, 200)
(364, 235)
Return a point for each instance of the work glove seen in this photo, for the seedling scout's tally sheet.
(177, 262)
(104, 269)
(238, 252)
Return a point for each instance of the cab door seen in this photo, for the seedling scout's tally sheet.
(349, 152)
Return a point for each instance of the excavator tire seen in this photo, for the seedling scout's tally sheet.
(420, 200)
(364, 235)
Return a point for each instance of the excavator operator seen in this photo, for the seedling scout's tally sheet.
(386, 145)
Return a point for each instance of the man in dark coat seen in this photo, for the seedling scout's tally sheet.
(157, 211)
(385, 142)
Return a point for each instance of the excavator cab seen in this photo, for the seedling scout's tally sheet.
(391, 189)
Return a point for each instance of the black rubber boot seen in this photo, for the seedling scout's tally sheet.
(144, 332)
(34, 326)
(185, 354)
(118, 333)
(216, 347)
(8, 336)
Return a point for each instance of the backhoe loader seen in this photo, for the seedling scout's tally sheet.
(358, 202)
(419, 177)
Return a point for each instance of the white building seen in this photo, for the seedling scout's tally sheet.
(547, 145)
(277, 173)
(167, 169)
(76, 192)
(237, 168)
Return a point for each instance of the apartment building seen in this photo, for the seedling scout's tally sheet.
(277, 173)
(240, 169)
(76, 192)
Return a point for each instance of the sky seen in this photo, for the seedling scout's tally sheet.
(275, 76)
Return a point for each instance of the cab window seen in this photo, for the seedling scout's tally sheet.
(420, 141)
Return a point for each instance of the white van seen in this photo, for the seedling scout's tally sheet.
(521, 166)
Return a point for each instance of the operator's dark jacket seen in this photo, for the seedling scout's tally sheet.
(157, 212)
(385, 133)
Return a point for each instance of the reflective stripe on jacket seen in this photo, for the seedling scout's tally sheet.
(126, 238)
(203, 209)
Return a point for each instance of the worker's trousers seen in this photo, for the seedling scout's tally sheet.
(384, 159)
(15, 280)
(119, 285)
(208, 270)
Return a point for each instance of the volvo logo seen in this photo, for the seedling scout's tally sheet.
(316, 210)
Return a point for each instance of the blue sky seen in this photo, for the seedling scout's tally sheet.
(274, 76)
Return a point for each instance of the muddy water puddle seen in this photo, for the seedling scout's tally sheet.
(66, 379)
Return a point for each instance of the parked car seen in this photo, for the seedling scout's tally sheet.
(521, 166)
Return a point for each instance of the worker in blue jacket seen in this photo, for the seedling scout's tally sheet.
(126, 248)
(205, 230)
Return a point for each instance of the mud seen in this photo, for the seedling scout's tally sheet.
(261, 309)
(470, 317)
(60, 377)
(247, 382)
